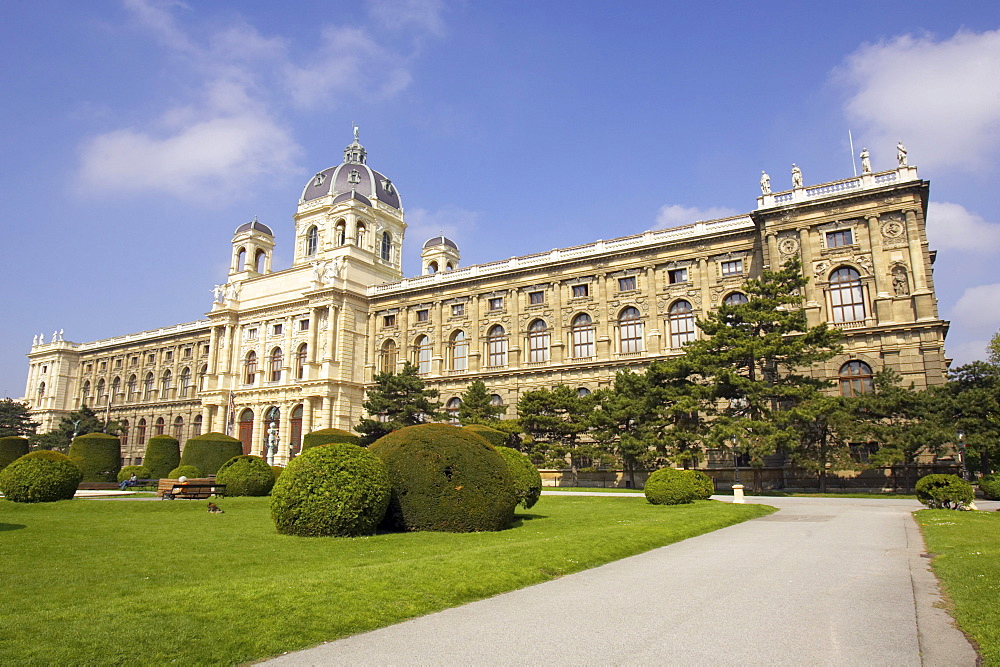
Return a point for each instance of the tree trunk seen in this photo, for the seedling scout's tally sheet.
(822, 480)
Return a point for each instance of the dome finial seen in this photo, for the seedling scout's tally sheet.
(355, 153)
(355, 132)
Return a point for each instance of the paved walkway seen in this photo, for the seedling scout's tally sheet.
(823, 582)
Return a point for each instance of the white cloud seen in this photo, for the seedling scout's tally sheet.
(975, 314)
(953, 227)
(675, 215)
(421, 15)
(942, 98)
(966, 352)
(451, 221)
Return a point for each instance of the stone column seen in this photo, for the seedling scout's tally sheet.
(259, 431)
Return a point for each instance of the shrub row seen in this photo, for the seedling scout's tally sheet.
(163, 454)
(99, 456)
(670, 486)
(209, 451)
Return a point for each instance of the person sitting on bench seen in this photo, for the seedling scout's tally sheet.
(131, 481)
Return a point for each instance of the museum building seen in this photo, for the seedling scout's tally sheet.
(285, 352)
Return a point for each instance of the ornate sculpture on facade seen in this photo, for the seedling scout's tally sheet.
(219, 291)
(325, 271)
(34, 341)
(796, 176)
(901, 153)
(232, 291)
(765, 183)
(866, 162)
(900, 284)
(272, 443)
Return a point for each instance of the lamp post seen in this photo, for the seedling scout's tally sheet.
(960, 437)
(737, 485)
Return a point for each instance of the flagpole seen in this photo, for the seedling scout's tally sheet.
(854, 165)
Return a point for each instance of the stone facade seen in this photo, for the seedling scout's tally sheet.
(291, 351)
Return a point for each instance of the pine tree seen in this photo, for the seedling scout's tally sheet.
(396, 401)
(556, 419)
(477, 406)
(15, 419)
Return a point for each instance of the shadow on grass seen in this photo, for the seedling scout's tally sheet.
(4, 527)
(519, 519)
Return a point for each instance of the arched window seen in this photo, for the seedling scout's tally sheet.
(458, 347)
(496, 401)
(735, 299)
(846, 295)
(140, 432)
(582, 334)
(203, 377)
(124, 434)
(538, 341)
(680, 320)
(341, 232)
(387, 357)
(582, 391)
(451, 407)
(147, 387)
(630, 330)
(277, 359)
(165, 383)
(312, 241)
(178, 427)
(250, 368)
(361, 235)
(386, 249)
(241, 260)
(422, 350)
(432, 267)
(301, 358)
(158, 426)
(116, 386)
(41, 391)
(85, 394)
(100, 391)
(258, 261)
(130, 388)
(448, 267)
(496, 346)
(856, 378)
(185, 381)
(196, 426)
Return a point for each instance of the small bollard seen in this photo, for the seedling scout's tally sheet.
(738, 494)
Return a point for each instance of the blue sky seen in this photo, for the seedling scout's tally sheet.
(137, 135)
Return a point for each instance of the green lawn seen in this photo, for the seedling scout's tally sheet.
(598, 489)
(966, 548)
(110, 582)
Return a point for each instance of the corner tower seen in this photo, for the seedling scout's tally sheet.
(439, 254)
(353, 215)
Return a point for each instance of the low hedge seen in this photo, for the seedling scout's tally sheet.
(670, 486)
(337, 490)
(40, 477)
(527, 479)
(184, 471)
(12, 448)
(209, 451)
(163, 454)
(702, 482)
(445, 478)
(246, 476)
(990, 486)
(328, 436)
(949, 492)
(141, 472)
(99, 456)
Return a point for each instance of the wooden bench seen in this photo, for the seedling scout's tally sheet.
(193, 489)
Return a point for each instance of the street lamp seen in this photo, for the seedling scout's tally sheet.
(733, 444)
(960, 436)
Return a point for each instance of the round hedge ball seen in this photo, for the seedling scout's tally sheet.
(704, 484)
(990, 486)
(445, 478)
(328, 436)
(336, 490)
(163, 454)
(40, 477)
(12, 448)
(670, 486)
(944, 491)
(184, 471)
(246, 476)
(141, 472)
(492, 435)
(527, 479)
(209, 451)
(99, 456)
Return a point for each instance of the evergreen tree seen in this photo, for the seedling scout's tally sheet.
(397, 400)
(626, 424)
(555, 419)
(993, 350)
(825, 426)
(477, 406)
(970, 402)
(79, 422)
(15, 419)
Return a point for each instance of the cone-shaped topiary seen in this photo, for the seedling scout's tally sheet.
(163, 454)
(445, 478)
(99, 456)
(339, 489)
(327, 436)
(527, 479)
(949, 492)
(703, 483)
(990, 486)
(209, 451)
(191, 472)
(40, 477)
(670, 486)
(142, 472)
(12, 448)
(246, 476)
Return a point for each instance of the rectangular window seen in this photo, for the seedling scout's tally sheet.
(90, 368)
(839, 238)
(626, 284)
(104, 366)
(134, 361)
(118, 363)
(457, 309)
(535, 298)
(496, 303)
(277, 329)
(677, 276)
(187, 352)
(303, 325)
(205, 348)
(423, 315)
(388, 320)
(733, 268)
(252, 334)
(170, 355)
(581, 291)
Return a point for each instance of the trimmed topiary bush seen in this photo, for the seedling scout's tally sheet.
(339, 489)
(948, 492)
(246, 476)
(670, 486)
(445, 478)
(527, 479)
(209, 451)
(184, 471)
(328, 436)
(704, 484)
(99, 456)
(492, 435)
(163, 454)
(142, 472)
(12, 448)
(990, 486)
(276, 471)
(40, 477)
